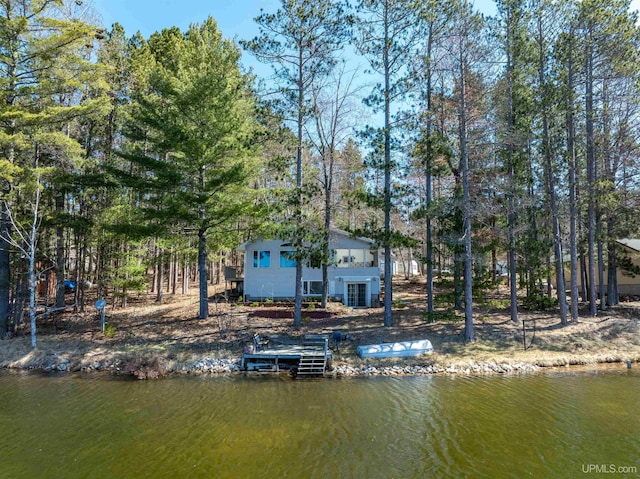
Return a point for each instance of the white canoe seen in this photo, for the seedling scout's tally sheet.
(396, 350)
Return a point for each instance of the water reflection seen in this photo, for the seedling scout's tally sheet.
(546, 425)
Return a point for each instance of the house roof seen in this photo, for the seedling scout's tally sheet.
(337, 231)
(631, 243)
(349, 235)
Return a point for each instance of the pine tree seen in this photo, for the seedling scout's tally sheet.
(513, 38)
(196, 115)
(388, 32)
(466, 29)
(40, 65)
(435, 17)
(300, 41)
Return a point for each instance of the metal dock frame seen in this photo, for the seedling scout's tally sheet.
(313, 362)
(309, 359)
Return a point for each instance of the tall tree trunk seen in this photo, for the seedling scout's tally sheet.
(185, 277)
(60, 256)
(125, 253)
(551, 188)
(591, 179)
(202, 257)
(428, 175)
(469, 334)
(297, 306)
(154, 280)
(612, 272)
(32, 292)
(171, 272)
(600, 264)
(513, 281)
(78, 272)
(5, 269)
(174, 276)
(32, 249)
(20, 298)
(388, 286)
(609, 168)
(100, 269)
(81, 272)
(582, 257)
(202, 271)
(327, 236)
(573, 196)
(5, 219)
(160, 275)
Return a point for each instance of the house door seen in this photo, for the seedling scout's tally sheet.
(357, 295)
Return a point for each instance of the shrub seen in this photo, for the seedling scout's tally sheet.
(109, 330)
(499, 303)
(144, 367)
(398, 303)
(539, 302)
(449, 315)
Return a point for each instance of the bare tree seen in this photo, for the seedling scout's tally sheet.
(388, 32)
(542, 17)
(25, 239)
(333, 113)
(299, 41)
(466, 31)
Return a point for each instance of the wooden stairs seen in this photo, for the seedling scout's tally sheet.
(314, 362)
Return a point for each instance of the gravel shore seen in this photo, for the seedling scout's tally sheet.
(149, 369)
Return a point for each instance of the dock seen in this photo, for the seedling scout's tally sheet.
(309, 359)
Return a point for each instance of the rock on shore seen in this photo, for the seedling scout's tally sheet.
(488, 368)
(152, 367)
(232, 365)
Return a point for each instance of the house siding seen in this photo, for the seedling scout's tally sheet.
(628, 284)
(278, 283)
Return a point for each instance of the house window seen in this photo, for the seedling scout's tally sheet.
(287, 259)
(312, 288)
(357, 258)
(371, 259)
(262, 259)
(342, 258)
(354, 258)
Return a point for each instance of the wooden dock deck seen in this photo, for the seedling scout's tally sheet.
(312, 358)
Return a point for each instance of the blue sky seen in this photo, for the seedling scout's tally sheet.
(235, 17)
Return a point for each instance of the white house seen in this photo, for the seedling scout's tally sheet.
(354, 273)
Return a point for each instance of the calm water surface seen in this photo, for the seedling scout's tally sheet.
(544, 426)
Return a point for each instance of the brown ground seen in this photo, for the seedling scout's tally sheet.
(171, 334)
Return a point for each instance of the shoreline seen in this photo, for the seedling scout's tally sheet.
(148, 340)
(154, 366)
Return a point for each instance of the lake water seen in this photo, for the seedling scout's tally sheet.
(551, 425)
